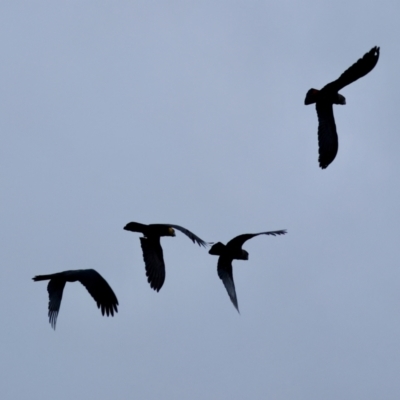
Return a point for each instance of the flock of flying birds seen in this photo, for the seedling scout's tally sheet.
(153, 257)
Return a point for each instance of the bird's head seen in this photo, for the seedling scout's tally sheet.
(171, 231)
(311, 96)
(340, 99)
(217, 249)
(129, 227)
(244, 255)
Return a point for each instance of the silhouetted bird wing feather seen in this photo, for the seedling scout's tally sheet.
(225, 273)
(154, 261)
(55, 289)
(356, 71)
(238, 241)
(99, 289)
(327, 136)
(190, 235)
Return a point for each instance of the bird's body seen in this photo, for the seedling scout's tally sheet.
(329, 95)
(233, 251)
(152, 251)
(95, 284)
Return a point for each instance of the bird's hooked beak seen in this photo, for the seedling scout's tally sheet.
(171, 231)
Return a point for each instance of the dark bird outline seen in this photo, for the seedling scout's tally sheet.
(233, 251)
(152, 251)
(95, 284)
(328, 142)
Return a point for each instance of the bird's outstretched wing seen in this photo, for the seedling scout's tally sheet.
(154, 261)
(190, 235)
(238, 241)
(99, 289)
(356, 71)
(224, 269)
(328, 142)
(55, 289)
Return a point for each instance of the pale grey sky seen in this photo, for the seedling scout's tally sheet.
(192, 113)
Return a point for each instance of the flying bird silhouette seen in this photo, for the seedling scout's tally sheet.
(233, 251)
(95, 284)
(329, 95)
(152, 250)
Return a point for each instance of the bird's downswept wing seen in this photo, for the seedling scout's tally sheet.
(238, 241)
(225, 273)
(55, 289)
(328, 142)
(153, 261)
(190, 235)
(99, 289)
(359, 69)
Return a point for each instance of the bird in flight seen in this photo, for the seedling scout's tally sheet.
(152, 250)
(329, 95)
(95, 284)
(233, 251)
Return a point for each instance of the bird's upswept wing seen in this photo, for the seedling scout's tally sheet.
(225, 273)
(328, 142)
(55, 289)
(190, 235)
(99, 289)
(238, 241)
(154, 261)
(359, 69)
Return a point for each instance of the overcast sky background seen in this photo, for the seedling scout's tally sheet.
(192, 113)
